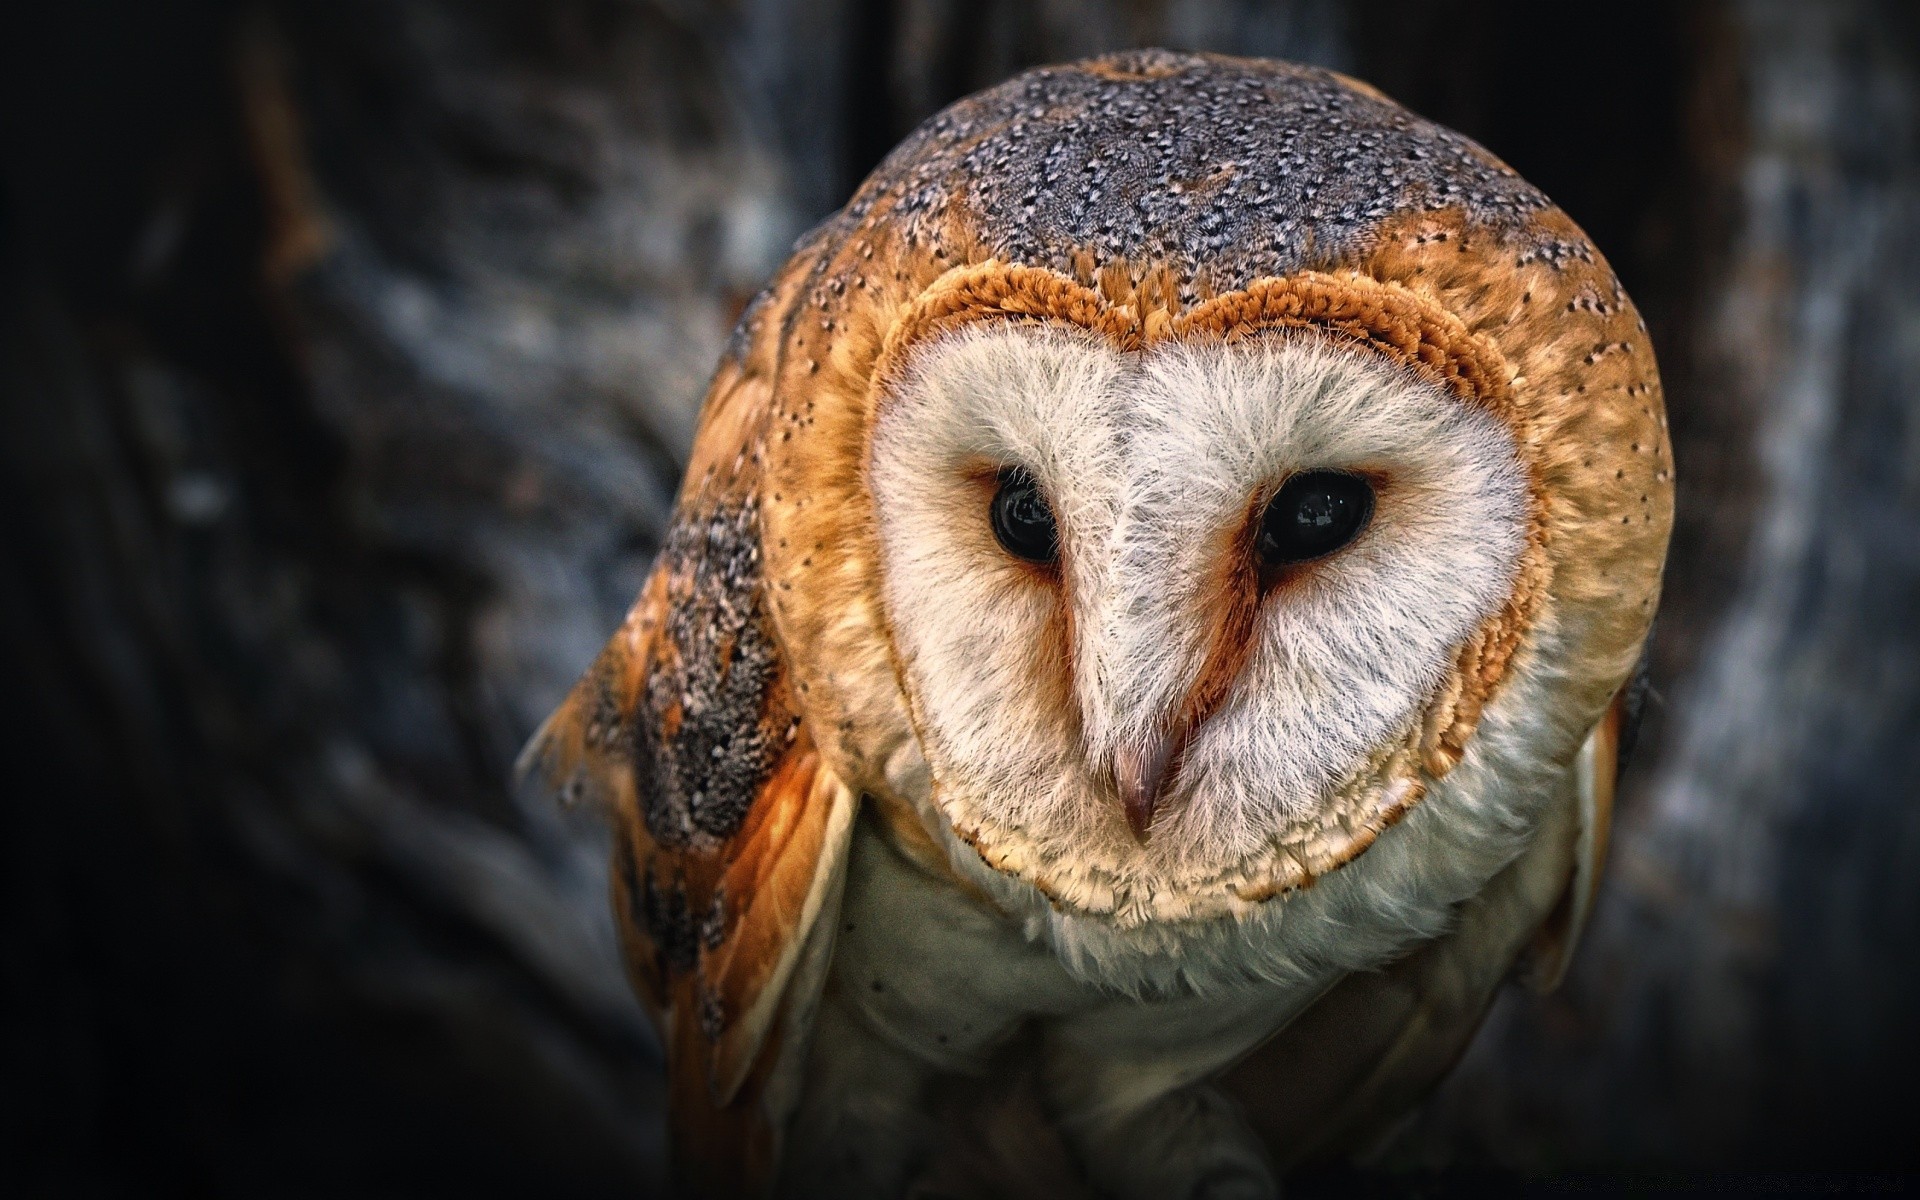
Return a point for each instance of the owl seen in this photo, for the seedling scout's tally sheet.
(1140, 652)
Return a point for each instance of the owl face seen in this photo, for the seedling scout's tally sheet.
(1173, 619)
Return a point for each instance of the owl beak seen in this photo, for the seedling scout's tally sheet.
(1140, 771)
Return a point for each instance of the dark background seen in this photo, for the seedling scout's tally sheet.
(349, 349)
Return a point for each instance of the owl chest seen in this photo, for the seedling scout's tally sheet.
(936, 980)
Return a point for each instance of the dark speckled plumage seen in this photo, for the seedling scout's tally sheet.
(706, 748)
(665, 915)
(1218, 168)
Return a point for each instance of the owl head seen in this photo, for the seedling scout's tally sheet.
(1180, 470)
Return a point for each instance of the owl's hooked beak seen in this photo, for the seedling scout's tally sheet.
(1140, 770)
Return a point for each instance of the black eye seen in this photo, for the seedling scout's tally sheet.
(1316, 513)
(1021, 519)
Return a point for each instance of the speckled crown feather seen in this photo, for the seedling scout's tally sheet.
(1222, 170)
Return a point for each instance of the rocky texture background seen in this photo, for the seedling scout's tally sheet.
(349, 351)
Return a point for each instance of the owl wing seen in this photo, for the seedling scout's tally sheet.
(1596, 774)
(1334, 1081)
(730, 835)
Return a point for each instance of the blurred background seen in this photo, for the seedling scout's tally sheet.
(349, 351)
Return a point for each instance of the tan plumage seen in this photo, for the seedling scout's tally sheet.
(788, 762)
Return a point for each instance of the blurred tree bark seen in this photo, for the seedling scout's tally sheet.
(349, 352)
(1748, 992)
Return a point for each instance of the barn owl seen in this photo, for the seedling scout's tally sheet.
(1140, 650)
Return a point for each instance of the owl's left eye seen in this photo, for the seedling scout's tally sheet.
(1022, 521)
(1314, 514)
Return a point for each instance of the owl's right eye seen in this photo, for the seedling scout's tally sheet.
(1022, 521)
